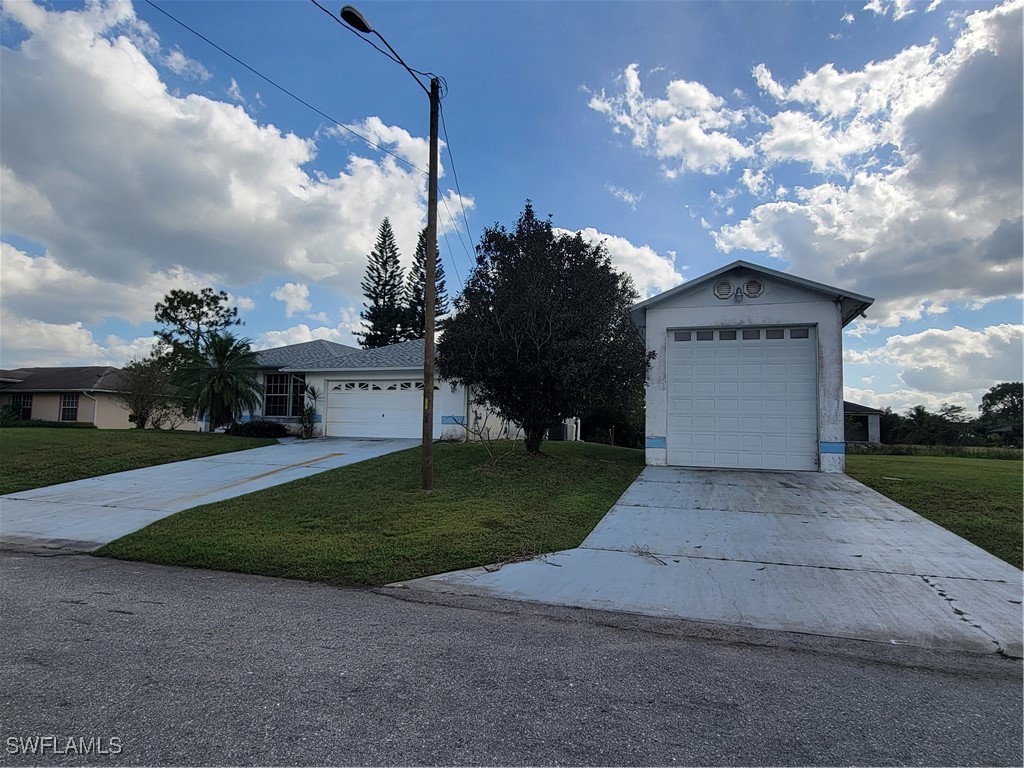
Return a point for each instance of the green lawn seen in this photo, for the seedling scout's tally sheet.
(370, 524)
(978, 499)
(34, 457)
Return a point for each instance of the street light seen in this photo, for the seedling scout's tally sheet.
(358, 22)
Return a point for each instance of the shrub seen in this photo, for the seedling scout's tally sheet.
(48, 424)
(258, 428)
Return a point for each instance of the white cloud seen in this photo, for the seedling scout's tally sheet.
(902, 400)
(899, 9)
(848, 18)
(689, 128)
(629, 198)
(295, 297)
(342, 333)
(244, 303)
(235, 92)
(29, 343)
(40, 288)
(183, 66)
(767, 83)
(191, 185)
(941, 222)
(651, 273)
(934, 367)
(947, 362)
(756, 182)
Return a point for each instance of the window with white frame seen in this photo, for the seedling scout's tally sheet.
(283, 393)
(69, 406)
(21, 403)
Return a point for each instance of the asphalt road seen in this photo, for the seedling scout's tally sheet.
(189, 667)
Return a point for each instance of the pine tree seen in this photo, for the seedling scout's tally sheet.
(382, 286)
(415, 289)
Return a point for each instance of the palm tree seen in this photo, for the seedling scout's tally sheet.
(222, 379)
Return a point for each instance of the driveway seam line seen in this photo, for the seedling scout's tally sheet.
(802, 565)
(963, 615)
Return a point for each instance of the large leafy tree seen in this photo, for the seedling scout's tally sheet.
(415, 289)
(222, 379)
(385, 313)
(1003, 404)
(541, 331)
(147, 390)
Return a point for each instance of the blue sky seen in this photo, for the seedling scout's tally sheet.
(875, 147)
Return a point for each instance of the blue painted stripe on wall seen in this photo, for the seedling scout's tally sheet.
(453, 419)
(832, 447)
(655, 442)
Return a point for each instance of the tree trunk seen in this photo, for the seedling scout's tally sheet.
(534, 436)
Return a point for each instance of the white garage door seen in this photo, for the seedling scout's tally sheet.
(743, 397)
(374, 408)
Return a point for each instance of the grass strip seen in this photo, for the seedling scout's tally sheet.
(35, 457)
(370, 524)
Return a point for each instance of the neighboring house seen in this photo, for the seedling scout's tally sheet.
(372, 393)
(862, 424)
(365, 392)
(85, 394)
(748, 371)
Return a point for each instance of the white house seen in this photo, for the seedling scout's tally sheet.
(365, 392)
(748, 371)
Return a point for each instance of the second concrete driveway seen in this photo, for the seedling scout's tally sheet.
(798, 551)
(86, 514)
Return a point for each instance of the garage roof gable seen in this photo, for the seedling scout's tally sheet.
(853, 304)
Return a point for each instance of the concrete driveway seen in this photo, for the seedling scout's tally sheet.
(801, 551)
(86, 514)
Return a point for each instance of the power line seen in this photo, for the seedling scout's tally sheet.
(455, 174)
(285, 90)
(448, 245)
(455, 227)
(341, 125)
(394, 57)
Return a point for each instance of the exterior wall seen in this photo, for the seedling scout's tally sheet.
(98, 408)
(46, 406)
(110, 414)
(779, 304)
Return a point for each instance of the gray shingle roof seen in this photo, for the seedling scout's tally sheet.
(301, 356)
(93, 378)
(406, 354)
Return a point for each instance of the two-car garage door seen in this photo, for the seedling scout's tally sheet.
(743, 397)
(388, 408)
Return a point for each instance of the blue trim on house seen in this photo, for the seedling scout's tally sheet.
(655, 442)
(832, 447)
(461, 420)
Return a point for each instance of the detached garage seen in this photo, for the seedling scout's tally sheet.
(748, 371)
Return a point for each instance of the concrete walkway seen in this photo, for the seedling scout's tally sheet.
(803, 552)
(86, 514)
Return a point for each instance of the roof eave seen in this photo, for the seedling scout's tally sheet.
(363, 369)
(637, 312)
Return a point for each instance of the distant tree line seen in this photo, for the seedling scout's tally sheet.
(999, 422)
